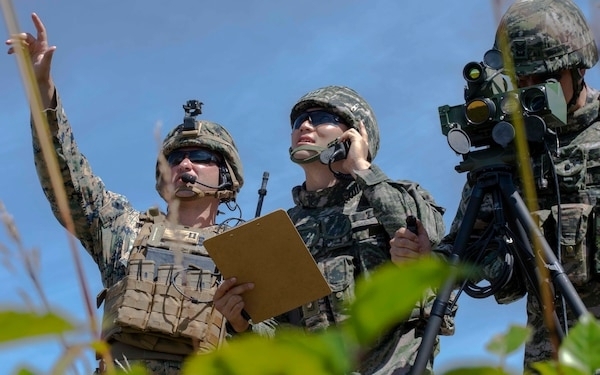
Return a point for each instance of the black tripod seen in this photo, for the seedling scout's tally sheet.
(509, 210)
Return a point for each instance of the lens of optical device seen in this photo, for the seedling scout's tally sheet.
(472, 72)
(479, 111)
(533, 99)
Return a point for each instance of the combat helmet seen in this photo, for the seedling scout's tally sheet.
(205, 134)
(545, 36)
(346, 103)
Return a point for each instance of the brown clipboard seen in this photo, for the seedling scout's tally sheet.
(269, 252)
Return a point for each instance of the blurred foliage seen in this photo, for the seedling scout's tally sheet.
(503, 345)
(384, 298)
(17, 325)
(389, 295)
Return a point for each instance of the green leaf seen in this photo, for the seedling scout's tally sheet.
(291, 352)
(390, 294)
(504, 344)
(24, 371)
(479, 370)
(25, 325)
(554, 368)
(580, 347)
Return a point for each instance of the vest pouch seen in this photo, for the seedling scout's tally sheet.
(372, 240)
(320, 314)
(141, 269)
(314, 314)
(199, 319)
(310, 310)
(127, 303)
(173, 323)
(571, 171)
(336, 232)
(339, 273)
(175, 285)
(575, 247)
(366, 226)
(166, 305)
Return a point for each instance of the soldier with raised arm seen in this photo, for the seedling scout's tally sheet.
(151, 316)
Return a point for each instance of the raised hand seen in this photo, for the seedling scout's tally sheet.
(38, 48)
(359, 150)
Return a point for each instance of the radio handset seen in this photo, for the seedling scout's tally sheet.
(335, 151)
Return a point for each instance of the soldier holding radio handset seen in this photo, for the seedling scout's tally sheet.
(347, 210)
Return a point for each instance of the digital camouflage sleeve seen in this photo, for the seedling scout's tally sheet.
(393, 201)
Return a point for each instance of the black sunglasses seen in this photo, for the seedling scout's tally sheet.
(200, 156)
(316, 118)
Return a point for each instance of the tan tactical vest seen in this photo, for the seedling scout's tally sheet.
(164, 303)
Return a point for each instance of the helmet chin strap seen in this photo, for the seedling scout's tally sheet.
(309, 159)
(578, 84)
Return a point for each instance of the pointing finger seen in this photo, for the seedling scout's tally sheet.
(39, 26)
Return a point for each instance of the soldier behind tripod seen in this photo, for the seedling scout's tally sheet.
(550, 39)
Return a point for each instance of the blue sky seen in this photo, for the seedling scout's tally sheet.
(124, 69)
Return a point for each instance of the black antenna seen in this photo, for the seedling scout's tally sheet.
(261, 193)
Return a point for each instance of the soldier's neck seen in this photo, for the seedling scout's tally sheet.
(198, 213)
(318, 176)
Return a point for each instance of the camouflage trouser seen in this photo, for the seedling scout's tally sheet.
(539, 348)
(399, 359)
(153, 367)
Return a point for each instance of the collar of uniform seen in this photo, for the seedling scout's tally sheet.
(584, 116)
(331, 196)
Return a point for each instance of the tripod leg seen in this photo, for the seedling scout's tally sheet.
(441, 302)
(527, 263)
(524, 226)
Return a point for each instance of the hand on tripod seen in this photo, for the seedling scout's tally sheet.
(407, 245)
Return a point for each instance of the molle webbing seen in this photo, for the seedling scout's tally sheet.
(164, 304)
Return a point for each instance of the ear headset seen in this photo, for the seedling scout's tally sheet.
(224, 177)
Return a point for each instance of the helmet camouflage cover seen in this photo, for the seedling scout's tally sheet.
(545, 36)
(209, 135)
(347, 104)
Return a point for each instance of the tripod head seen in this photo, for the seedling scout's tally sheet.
(483, 129)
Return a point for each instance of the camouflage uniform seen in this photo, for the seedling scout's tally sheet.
(347, 228)
(570, 151)
(577, 149)
(153, 367)
(104, 222)
(547, 36)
